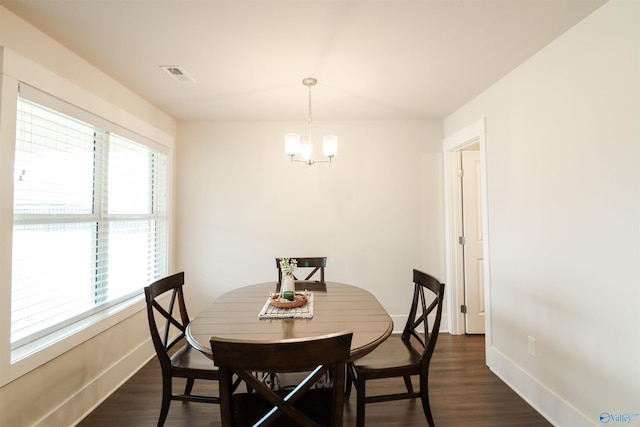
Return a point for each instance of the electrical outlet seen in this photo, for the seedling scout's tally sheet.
(531, 347)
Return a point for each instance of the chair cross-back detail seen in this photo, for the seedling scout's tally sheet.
(403, 356)
(303, 405)
(186, 362)
(316, 264)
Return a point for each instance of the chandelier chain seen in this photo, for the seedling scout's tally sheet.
(310, 122)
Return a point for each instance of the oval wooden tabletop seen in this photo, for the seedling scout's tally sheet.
(341, 308)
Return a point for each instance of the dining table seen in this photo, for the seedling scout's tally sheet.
(240, 315)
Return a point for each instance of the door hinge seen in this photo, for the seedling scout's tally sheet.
(462, 240)
(463, 309)
(460, 173)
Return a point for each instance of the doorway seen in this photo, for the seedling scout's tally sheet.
(467, 231)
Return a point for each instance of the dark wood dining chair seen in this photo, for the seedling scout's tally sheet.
(186, 362)
(303, 404)
(316, 265)
(403, 356)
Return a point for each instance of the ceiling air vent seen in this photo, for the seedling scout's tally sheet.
(178, 73)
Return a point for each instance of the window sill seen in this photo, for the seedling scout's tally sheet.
(39, 352)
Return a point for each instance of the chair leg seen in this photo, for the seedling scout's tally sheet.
(188, 388)
(360, 393)
(407, 383)
(166, 399)
(424, 397)
(274, 381)
(349, 381)
(427, 408)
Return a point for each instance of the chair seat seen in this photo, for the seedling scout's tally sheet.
(190, 358)
(391, 357)
(250, 407)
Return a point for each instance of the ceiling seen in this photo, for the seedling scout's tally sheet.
(374, 59)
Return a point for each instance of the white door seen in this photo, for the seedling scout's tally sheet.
(473, 243)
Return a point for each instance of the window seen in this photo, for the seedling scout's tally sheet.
(90, 217)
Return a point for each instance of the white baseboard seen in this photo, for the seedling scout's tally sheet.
(84, 401)
(556, 410)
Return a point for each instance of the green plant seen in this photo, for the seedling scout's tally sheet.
(288, 265)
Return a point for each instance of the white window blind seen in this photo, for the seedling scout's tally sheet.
(90, 217)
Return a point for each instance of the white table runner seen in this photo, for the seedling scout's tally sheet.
(272, 312)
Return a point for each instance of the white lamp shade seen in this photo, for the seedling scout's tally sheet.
(330, 145)
(291, 143)
(306, 150)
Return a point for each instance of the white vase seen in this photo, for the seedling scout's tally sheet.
(288, 284)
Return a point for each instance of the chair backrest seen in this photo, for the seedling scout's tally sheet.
(419, 312)
(179, 320)
(316, 264)
(318, 356)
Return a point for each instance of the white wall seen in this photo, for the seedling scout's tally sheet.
(82, 373)
(376, 212)
(563, 141)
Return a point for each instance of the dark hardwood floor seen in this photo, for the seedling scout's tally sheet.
(462, 390)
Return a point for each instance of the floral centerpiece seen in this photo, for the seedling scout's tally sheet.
(288, 285)
(288, 265)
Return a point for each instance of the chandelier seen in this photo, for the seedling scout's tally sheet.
(303, 151)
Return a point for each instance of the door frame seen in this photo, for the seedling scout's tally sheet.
(472, 134)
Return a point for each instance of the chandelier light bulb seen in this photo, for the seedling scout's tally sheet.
(306, 150)
(291, 143)
(330, 145)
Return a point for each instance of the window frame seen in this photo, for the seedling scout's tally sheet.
(81, 332)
